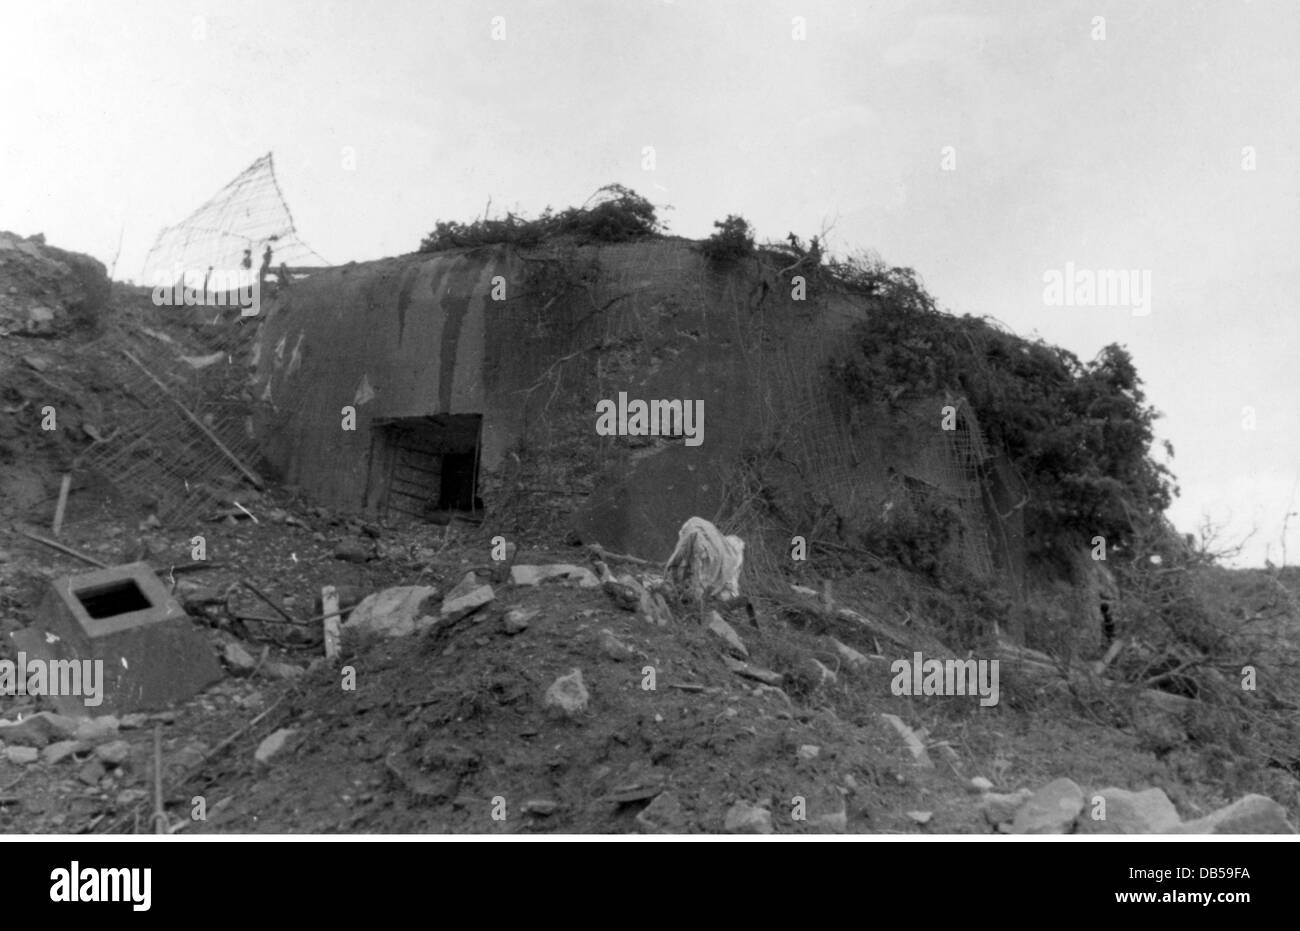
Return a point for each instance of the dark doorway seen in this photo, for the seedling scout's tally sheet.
(428, 467)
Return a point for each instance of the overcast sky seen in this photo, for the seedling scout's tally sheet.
(1124, 152)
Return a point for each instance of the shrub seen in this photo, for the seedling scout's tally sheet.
(1079, 433)
(733, 240)
(613, 214)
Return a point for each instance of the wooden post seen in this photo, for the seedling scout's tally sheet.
(329, 599)
(63, 503)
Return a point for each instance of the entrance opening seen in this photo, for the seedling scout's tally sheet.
(429, 467)
(113, 599)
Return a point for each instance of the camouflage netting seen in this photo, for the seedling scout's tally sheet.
(247, 215)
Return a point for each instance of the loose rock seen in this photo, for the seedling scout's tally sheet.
(1253, 814)
(516, 621)
(22, 756)
(535, 575)
(393, 612)
(38, 729)
(466, 598)
(238, 660)
(568, 694)
(744, 818)
(273, 744)
(664, 815)
(727, 634)
(614, 648)
(114, 753)
(1146, 812)
(1051, 810)
(999, 809)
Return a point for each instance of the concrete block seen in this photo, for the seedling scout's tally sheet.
(123, 616)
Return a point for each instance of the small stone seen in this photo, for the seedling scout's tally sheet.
(539, 806)
(130, 722)
(809, 752)
(282, 671)
(757, 673)
(727, 634)
(37, 730)
(614, 648)
(568, 694)
(999, 809)
(128, 797)
(97, 730)
(91, 773)
(466, 598)
(352, 551)
(57, 752)
(849, 655)
(535, 575)
(21, 756)
(516, 620)
(1051, 810)
(114, 753)
(834, 822)
(238, 660)
(664, 815)
(744, 818)
(979, 784)
(921, 817)
(273, 744)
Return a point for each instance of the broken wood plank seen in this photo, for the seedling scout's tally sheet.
(203, 428)
(66, 550)
(603, 554)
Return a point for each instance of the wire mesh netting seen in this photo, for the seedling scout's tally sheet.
(177, 437)
(231, 232)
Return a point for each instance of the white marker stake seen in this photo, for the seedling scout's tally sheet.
(329, 599)
(63, 502)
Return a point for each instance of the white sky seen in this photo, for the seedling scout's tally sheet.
(120, 118)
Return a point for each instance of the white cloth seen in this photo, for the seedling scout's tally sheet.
(709, 561)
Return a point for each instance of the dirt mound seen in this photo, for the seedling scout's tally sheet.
(46, 291)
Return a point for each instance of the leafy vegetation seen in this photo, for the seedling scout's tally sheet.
(1080, 433)
(733, 240)
(613, 214)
